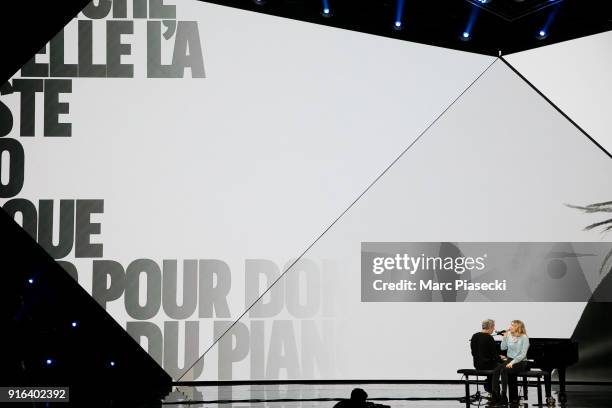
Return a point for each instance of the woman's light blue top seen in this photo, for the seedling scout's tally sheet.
(517, 347)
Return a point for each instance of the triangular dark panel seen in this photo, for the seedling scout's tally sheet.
(594, 336)
(58, 335)
(34, 23)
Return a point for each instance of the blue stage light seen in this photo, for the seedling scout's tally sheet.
(399, 14)
(467, 33)
(326, 10)
(49, 361)
(544, 31)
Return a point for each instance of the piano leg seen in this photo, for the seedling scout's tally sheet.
(539, 392)
(550, 401)
(562, 396)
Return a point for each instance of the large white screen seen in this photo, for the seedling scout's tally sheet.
(253, 162)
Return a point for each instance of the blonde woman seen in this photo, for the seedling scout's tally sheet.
(516, 342)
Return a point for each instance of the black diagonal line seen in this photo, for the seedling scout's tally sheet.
(576, 125)
(342, 214)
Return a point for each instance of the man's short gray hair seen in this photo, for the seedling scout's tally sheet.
(487, 324)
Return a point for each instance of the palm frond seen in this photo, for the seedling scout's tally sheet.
(600, 204)
(607, 224)
(599, 224)
(596, 208)
(593, 208)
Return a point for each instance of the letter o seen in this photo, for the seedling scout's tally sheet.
(132, 289)
(12, 149)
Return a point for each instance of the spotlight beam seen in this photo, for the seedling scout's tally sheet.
(544, 31)
(399, 13)
(467, 33)
(326, 9)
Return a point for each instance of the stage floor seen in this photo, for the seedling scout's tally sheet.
(403, 395)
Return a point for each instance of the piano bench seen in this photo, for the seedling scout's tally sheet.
(474, 372)
(541, 378)
(467, 372)
(471, 372)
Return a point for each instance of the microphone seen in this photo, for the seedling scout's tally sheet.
(501, 332)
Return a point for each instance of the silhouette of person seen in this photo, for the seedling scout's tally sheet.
(358, 400)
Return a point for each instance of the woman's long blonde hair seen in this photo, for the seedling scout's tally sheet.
(520, 327)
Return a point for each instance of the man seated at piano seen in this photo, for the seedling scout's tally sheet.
(486, 357)
(516, 342)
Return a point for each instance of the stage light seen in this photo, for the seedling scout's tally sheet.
(30, 281)
(544, 31)
(467, 33)
(399, 14)
(259, 2)
(74, 324)
(326, 10)
(112, 363)
(49, 361)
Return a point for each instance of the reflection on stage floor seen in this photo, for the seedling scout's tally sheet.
(393, 395)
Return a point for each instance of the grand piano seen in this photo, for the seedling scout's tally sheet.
(550, 354)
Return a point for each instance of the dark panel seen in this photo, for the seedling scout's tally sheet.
(27, 26)
(95, 357)
(594, 334)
